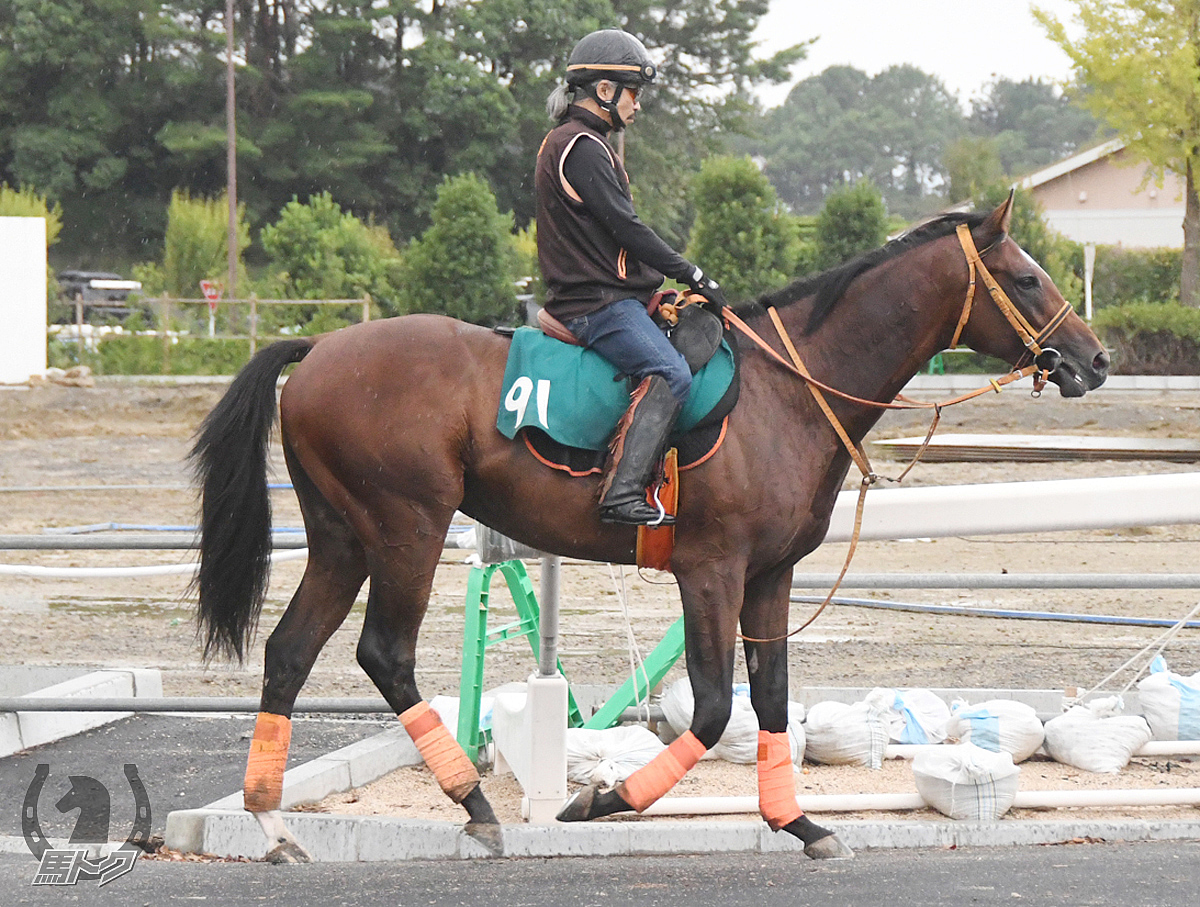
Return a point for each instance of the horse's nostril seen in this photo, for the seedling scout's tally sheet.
(1100, 363)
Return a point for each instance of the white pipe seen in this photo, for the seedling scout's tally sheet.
(1014, 507)
(852, 803)
(1161, 796)
(817, 803)
(1153, 748)
(109, 572)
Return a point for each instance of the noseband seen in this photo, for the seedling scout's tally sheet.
(1047, 359)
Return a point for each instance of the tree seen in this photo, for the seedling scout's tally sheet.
(27, 203)
(463, 265)
(853, 221)
(1032, 124)
(319, 251)
(1141, 61)
(741, 234)
(842, 126)
(196, 245)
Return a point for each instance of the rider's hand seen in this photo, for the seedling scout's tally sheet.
(709, 289)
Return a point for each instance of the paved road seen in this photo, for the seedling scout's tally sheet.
(1090, 875)
(184, 763)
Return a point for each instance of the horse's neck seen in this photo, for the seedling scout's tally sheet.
(877, 338)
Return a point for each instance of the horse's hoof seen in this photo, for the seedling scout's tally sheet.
(579, 807)
(288, 852)
(829, 847)
(489, 834)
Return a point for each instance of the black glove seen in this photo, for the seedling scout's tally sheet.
(709, 289)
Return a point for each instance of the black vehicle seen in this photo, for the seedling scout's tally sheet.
(101, 292)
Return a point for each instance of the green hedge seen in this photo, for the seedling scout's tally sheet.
(144, 355)
(1148, 338)
(1125, 276)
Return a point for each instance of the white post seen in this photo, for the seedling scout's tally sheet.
(1089, 271)
(23, 299)
(546, 790)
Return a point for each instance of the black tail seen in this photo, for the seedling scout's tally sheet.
(230, 464)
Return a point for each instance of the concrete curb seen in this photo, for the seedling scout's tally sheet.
(22, 730)
(225, 829)
(331, 838)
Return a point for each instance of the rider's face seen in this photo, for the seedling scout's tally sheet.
(625, 98)
(628, 104)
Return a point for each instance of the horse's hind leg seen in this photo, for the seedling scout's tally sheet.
(401, 581)
(334, 573)
(764, 616)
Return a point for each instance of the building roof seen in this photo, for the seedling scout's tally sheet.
(1063, 167)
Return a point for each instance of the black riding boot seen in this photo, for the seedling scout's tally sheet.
(639, 444)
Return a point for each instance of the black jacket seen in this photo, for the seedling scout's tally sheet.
(592, 248)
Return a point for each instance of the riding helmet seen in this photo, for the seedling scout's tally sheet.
(610, 54)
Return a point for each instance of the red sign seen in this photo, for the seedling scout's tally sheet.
(212, 292)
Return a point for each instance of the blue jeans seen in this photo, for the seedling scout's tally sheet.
(628, 338)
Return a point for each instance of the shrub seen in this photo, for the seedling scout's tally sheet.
(196, 245)
(1149, 338)
(741, 236)
(463, 265)
(134, 355)
(319, 251)
(1123, 276)
(853, 221)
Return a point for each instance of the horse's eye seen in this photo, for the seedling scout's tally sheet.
(1028, 282)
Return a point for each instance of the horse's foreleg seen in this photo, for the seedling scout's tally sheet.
(387, 652)
(764, 616)
(317, 609)
(709, 644)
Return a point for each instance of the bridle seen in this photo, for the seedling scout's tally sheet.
(1037, 360)
(1046, 359)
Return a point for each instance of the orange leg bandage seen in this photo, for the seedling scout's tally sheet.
(454, 771)
(776, 780)
(662, 773)
(263, 788)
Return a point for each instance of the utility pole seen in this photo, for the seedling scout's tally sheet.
(231, 152)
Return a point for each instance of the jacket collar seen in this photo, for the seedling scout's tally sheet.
(589, 119)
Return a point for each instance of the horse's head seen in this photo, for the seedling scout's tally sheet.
(1021, 317)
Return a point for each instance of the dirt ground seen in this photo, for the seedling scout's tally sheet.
(58, 444)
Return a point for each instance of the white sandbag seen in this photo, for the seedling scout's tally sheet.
(913, 716)
(964, 781)
(839, 733)
(796, 738)
(738, 744)
(611, 755)
(1170, 702)
(999, 725)
(1094, 739)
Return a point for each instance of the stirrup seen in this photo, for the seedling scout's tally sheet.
(636, 513)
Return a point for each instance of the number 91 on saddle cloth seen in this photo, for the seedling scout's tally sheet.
(576, 397)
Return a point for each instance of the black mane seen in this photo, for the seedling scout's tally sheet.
(829, 286)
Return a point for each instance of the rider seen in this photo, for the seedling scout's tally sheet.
(601, 264)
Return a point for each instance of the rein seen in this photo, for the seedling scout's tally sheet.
(1041, 361)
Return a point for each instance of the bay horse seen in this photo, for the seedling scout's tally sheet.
(388, 427)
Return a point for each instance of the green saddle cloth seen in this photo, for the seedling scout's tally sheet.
(574, 395)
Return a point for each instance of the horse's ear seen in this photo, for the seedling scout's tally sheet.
(997, 222)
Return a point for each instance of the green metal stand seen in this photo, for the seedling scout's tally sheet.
(638, 687)
(477, 638)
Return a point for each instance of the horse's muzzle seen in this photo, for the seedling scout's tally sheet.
(1075, 379)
